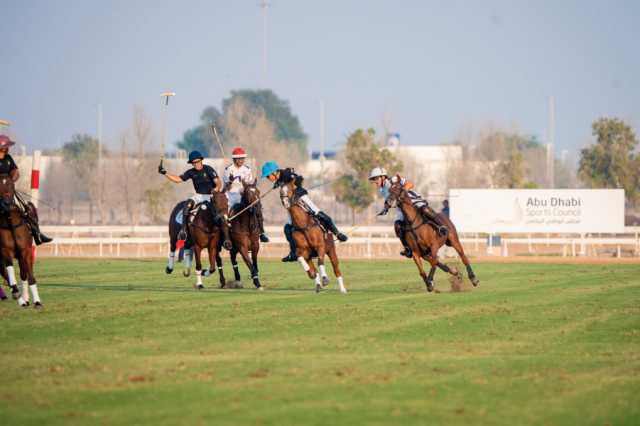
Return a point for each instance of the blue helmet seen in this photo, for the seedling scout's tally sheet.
(195, 155)
(269, 167)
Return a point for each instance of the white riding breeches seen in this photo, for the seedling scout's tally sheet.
(200, 198)
(234, 198)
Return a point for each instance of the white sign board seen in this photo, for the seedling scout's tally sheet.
(537, 210)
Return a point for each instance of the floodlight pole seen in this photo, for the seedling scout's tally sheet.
(264, 4)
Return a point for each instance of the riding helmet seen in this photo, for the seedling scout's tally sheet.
(195, 155)
(269, 167)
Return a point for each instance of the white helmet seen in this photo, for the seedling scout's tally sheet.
(376, 172)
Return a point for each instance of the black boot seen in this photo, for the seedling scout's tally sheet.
(428, 213)
(407, 252)
(182, 235)
(328, 223)
(38, 237)
(263, 235)
(288, 233)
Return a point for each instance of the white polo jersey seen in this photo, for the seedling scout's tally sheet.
(237, 175)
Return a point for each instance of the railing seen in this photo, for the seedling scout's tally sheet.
(364, 241)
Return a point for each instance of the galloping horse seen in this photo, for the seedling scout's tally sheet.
(208, 230)
(423, 240)
(245, 233)
(312, 240)
(16, 242)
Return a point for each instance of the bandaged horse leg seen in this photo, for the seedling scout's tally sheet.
(188, 259)
(171, 260)
(234, 263)
(36, 295)
(220, 271)
(256, 274)
(398, 228)
(23, 296)
(335, 264)
(323, 272)
(244, 252)
(197, 251)
(430, 214)
(427, 280)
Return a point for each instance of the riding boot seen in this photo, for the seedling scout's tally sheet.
(263, 235)
(38, 236)
(432, 215)
(328, 223)
(182, 235)
(397, 226)
(288, 233)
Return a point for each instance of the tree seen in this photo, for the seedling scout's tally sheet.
(611, 161)
(361, 154)
(199, 138)
(286, 125)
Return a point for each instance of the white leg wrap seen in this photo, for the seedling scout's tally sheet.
(11, 273)
(304, 264)
(317, 279)
(199, 277)
(172, 259)
(25, 291)
(34, 292)
(323, 271)
(341, 285)
(187, 259)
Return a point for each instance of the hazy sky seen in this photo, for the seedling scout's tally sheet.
(434, 68)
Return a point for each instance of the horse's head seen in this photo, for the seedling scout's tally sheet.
(7, 191)
(397, 195)
(251, 193)
(287, 195)
(220, 203)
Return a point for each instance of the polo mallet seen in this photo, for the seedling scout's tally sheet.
(214, 132)
(250, 205)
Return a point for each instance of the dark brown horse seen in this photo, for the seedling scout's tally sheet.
(209, 230)
(312, 240)
(245, 233)
(16, 242)
(423, 240)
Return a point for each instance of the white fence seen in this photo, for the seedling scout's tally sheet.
(364, 241)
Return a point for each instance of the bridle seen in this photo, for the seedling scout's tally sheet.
(397, 197)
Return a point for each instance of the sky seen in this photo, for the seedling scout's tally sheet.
(432, 70)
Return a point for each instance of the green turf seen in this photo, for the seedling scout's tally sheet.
(119, 342)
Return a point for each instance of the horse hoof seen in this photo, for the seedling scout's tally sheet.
(429, 287)
(168, 270)
(3, 297)
(260, 288)
(475, 281)
(15, 293)
(206, 273)
(343, 290)
(23, 303)
(198, 287)
(186, 273)
(318, 288)
(325, 281)
(38, 305)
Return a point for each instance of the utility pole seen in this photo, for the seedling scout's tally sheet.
(551, 143)
(264, 4)
(322, 141)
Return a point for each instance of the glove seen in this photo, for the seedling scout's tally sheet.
(383, 212)
(161, 169)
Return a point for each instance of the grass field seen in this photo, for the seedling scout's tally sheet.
(119, 342)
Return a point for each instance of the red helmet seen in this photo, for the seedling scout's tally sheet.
(5, 142)
(238, 152)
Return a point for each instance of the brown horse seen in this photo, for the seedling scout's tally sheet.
(16, 242)
(245, 233)
(207, 230)
(312, 240)
(424, 241)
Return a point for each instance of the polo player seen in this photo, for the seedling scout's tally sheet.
(8, 167)
(234, 176)
(281, 178)
(205, 180)
(383, 182)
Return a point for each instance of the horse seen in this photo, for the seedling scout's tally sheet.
(312, 240)
(16, 242)
(245, 233)
(203, 232)
(424, 241)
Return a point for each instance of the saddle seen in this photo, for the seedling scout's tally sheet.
(203, 205)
